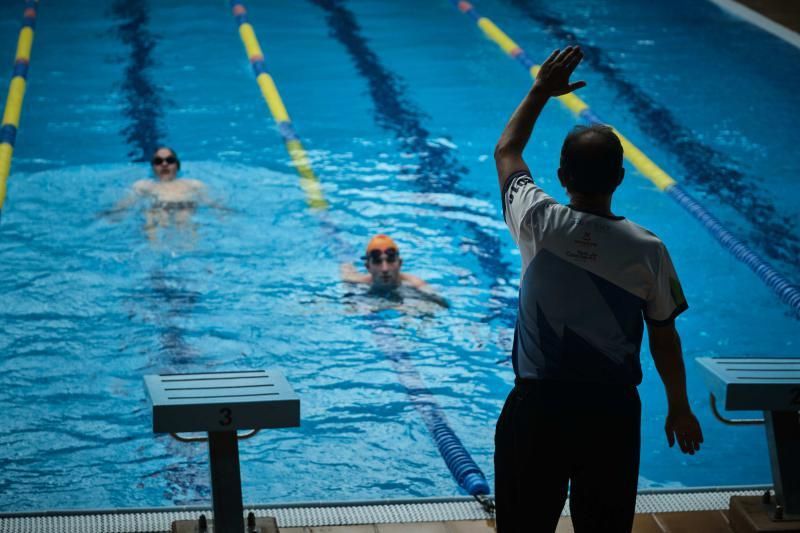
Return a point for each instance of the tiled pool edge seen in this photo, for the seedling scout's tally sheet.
(311, 514)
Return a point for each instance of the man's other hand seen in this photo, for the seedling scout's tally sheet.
(553, 76)
(684, 427)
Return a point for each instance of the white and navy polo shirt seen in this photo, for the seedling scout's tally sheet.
(588, 281)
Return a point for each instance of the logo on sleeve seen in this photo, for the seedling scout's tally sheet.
(516, 186)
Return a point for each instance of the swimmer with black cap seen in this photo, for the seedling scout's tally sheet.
(171, 198)
(383, 262)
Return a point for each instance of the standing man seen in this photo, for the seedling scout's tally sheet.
(589, 281)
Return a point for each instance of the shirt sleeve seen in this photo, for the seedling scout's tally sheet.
(666, 299)
(520, 197)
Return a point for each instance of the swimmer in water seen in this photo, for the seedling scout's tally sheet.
(383, 263)
(172, 200)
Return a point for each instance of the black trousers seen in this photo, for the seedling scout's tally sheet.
(552, 435)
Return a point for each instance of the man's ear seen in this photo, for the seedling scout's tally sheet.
(562, 177)
(621, 176)
(399, 263)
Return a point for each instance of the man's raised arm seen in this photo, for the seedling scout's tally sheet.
(551, 80)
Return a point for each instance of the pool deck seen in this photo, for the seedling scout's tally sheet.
(781, 18)
(786, 13)
(697, 521)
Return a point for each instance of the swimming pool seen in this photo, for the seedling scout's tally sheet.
(398, 106)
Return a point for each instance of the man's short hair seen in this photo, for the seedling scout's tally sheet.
(591, 158)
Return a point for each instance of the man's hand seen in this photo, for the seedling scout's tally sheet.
(551, 80)
(553, 76)
(683, 426)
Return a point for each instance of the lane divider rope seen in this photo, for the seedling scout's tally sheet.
(458, 460)
(787, 292)
(463, 468)
(308, 180)
(16, 94)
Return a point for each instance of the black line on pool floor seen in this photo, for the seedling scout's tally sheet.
(143, 103)
(143, 107)
(439, 170)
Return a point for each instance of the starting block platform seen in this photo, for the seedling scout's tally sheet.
(220, 404)
(771, 385)
(222, 401)
(753, 383)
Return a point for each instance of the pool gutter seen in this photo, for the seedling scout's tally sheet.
(317, 514)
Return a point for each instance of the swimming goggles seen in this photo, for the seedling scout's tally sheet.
(170, 160)
(376, 256)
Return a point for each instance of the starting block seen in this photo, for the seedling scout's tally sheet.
(771, 385)
(219, 404)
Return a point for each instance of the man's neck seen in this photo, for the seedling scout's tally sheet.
(592, 203)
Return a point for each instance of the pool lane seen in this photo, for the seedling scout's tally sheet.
(782, 287)
(707, 169)
(458, 460)
(439, 170)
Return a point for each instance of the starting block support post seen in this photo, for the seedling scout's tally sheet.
(219, 404)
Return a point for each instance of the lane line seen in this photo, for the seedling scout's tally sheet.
(458, 460)
(308, 180)
(707, 171)
(786, 291)
(16, 95)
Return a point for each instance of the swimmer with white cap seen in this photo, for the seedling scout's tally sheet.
(383, 262)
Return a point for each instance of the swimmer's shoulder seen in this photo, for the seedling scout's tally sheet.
(193, 184)
(423, 288)
(412, 281)
(144, 186)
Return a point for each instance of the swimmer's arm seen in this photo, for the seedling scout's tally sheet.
(140, 188)
(551, 80)
(203, 198)
(681, 424)
(423, 288)
(350, 274)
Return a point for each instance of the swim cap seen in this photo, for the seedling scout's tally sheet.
(381, 242)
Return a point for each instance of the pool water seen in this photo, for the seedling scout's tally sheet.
(399, 106)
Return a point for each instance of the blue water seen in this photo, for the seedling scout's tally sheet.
(399, 106)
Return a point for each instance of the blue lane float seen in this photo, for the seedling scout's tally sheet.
(787, 292)
(458, 460)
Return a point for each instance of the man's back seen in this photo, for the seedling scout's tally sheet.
(587, 280)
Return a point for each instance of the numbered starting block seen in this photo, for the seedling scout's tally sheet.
(771, 385)
(219, 404)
